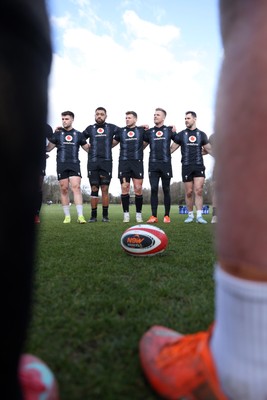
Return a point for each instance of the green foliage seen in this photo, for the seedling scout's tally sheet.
(51, 192)
(93, 302)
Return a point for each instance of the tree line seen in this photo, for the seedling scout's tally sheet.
(51, 193)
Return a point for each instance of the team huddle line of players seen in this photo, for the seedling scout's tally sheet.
(99, 139)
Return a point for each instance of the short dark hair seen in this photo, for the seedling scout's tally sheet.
(101, 109)
(70, 113)
(162, 110)
(131, 112)
(192, 113)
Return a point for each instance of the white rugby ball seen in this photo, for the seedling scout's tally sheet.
(144, 240)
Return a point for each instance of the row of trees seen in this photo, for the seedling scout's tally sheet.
(51, 193)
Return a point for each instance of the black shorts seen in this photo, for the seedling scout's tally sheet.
(100, 172)
(130, 169)
(65, 170)
(189, 172)
(161, 169)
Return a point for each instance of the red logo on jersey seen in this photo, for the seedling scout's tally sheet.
(192, 139)
(159, 133)
(68, 138)
(100, 130)
(130, 134)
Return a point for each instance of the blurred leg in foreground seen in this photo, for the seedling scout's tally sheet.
(230, 360)
(25, 62)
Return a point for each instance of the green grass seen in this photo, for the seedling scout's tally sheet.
(93, 301)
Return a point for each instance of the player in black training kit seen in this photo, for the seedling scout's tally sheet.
(192, 142)
(131, 165)
(68, 141)
(100, 161)
(159, 138)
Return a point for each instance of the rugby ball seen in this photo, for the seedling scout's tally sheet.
(144, 240)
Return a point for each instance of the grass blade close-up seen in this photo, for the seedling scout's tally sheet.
(93, 301)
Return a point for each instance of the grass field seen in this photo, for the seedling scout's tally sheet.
(93, 302)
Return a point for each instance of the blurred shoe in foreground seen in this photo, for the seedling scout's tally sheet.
(179, 367)
(37, 380)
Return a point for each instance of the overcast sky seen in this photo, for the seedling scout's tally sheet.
(134, 55)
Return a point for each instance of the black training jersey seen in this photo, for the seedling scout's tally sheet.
(68, 145)
(191, 142)
(159, 140)
(100, 139)
(131, 143)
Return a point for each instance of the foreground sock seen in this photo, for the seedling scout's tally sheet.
(239, 340)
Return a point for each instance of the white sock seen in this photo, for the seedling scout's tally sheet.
(79, 209)
(66, 210)
(199, 213)
(191, 214)
(239, 340)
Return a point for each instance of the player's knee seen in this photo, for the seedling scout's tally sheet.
(166, 190)
(64, 190)
(199, 191)
(104, 189)
(189, 194)
(125, 186)
(138, 189)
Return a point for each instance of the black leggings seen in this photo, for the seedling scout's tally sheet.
(154, 184)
